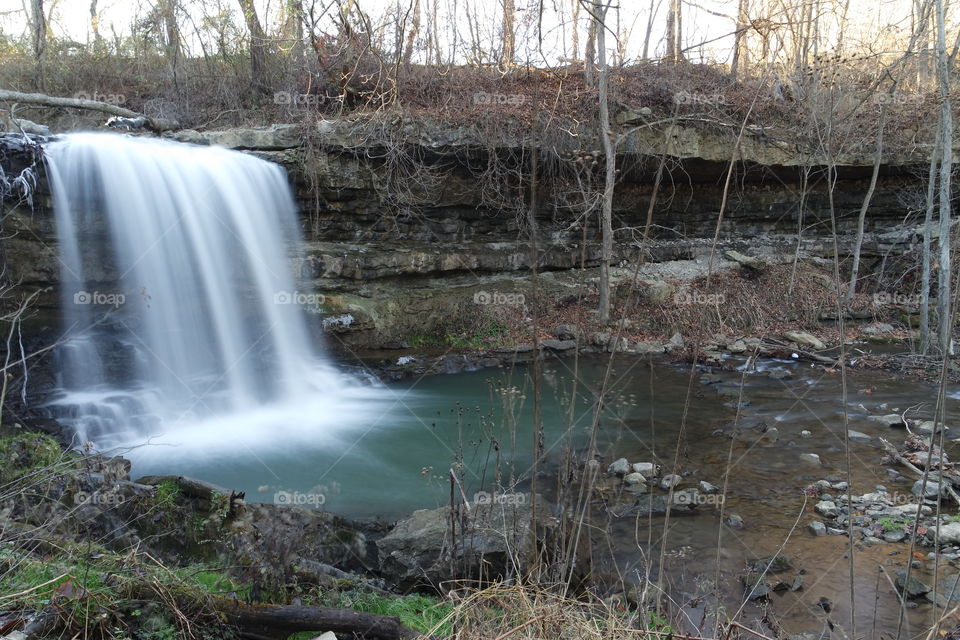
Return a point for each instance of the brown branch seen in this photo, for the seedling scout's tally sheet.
(159, 124)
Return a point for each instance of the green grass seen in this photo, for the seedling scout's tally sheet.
(419, 613)
(26, 452)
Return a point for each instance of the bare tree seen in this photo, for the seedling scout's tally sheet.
(258, 44)
(412, 33)
(740, 38)
(946, 167)
(509, 43)
(38, 32)
(610, 157)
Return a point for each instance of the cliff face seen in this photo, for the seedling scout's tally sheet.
(402, 221)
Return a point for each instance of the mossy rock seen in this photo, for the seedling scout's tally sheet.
(20, 454)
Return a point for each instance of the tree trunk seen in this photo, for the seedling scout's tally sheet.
(158, 124)
(509, 44)
(575, 35)
(606, 214)
(946, 166)
(590, 52)
(94, 21)
(927, 233)
(739, 39)
(412, 34)
(861, 220)
(258, 45)
(38, 32)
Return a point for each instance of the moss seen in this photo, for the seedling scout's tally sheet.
(27, 452)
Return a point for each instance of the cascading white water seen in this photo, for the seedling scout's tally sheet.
(182, 317)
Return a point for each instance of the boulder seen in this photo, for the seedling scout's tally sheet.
(817, 528)
(277, 136)
(950, 533)
(566, 332)
(811, 458)
(755, 264)
(634, 479)
(670, 481)
(804, 339)
(494, 539)
(889, 420)
(648, 469)
(858, 436)
(558, 345)
(827, 508)
(912, 588)
(619, 467)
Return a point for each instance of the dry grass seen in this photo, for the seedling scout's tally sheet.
(535, 612)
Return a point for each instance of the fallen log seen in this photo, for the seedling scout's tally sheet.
(896, 456)
(157, 124)
(275, 621)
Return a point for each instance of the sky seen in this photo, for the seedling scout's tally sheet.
(707, 23)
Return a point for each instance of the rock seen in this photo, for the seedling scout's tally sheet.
(930, 491)
(755, 587)
(601, 339)
(804, 339)
(686, 498)
(706, 487)
(632, 117)
(827, 509)
(858, 436)
(894, 536)
(329, 635)
(634, 479)
(950, 533)
(676, 340)
(914, 588)
(927, 427)
(756, 264)
(648, 469)
(948, 591)
(669, 481)
(805, 434)
(644, 348)
(890, 420)
(558, 345)
(498, 537)
(779, 374)
(566, 332)
(620, 467)
(644, 505)
(772, 564)
(817, 528)
(811, 458)
(657, 291)
(734, 521)
(737, 347)
(877, 328)
(277, 136)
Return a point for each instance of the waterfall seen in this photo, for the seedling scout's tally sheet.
(181, 315)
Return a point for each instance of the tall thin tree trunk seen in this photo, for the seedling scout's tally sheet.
(606, 215)
(927, 242)
(412, 34)
(739, 39)
(861, 220)
(646, 35)
(258, 45)
(38, 32)
(590, 52)
(575, 34)
(946, 166)
(94, 21)
(509, 44)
